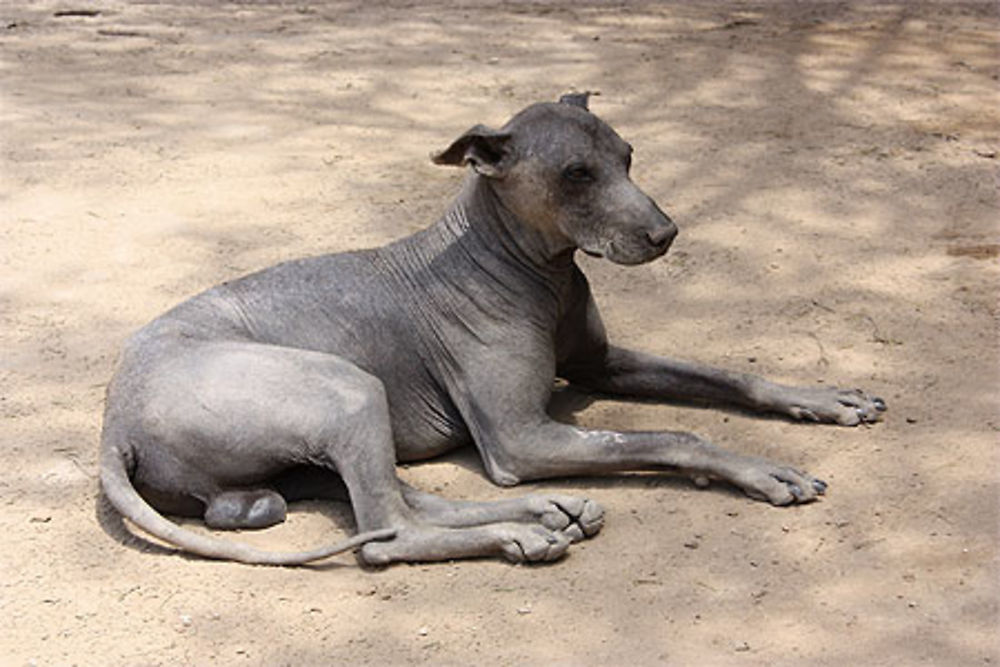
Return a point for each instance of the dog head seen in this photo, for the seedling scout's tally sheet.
(563, 171)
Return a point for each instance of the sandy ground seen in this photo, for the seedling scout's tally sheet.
(833, 170)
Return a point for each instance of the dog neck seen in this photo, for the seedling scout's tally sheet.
(479, 218)
(480, 252)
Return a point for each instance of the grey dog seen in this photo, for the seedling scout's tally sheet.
(453, 336)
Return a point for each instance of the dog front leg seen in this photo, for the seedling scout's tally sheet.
(556, 450)
(630, 373)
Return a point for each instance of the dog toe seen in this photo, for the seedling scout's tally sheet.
(535, 544)
(577, 518)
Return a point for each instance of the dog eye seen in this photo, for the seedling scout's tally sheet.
(578, 173)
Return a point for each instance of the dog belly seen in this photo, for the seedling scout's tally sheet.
(424, 429)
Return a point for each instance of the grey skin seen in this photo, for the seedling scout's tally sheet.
(453, 336)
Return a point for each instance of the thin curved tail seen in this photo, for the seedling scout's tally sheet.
(121, 493)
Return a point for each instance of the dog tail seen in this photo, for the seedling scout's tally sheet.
(119, 491)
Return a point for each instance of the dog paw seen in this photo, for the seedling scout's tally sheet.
(250, 509)
(577, 518)
(534, 544)
(777, 484)
(847, 407)
(517, 542)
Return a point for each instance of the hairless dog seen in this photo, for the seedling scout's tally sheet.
(453, 336)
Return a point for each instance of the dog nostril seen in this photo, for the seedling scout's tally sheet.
(662, 235)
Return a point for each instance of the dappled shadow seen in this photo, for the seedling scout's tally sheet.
(821, 160)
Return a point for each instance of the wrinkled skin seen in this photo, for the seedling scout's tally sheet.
(230, 404)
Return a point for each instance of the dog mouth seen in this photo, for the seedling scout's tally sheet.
(629, 256)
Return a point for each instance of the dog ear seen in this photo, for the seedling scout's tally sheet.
(578, 99)
(484, 148)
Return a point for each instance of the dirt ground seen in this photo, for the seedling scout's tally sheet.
(832, 167)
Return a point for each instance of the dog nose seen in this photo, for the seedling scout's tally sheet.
(663, 235)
